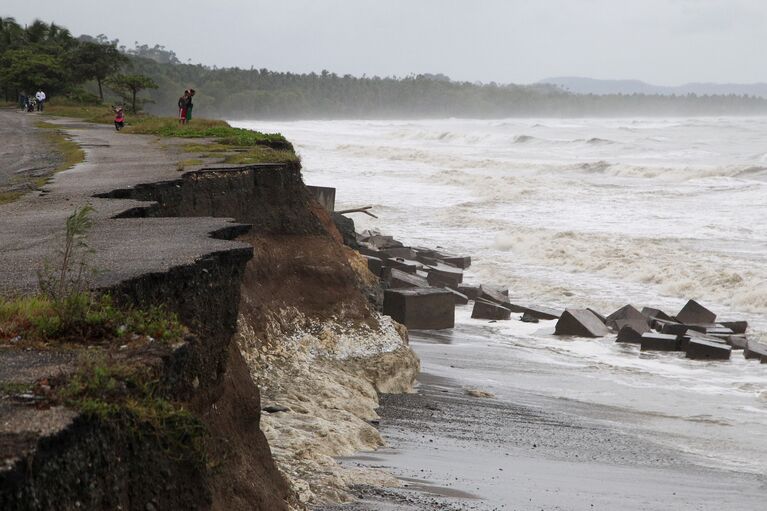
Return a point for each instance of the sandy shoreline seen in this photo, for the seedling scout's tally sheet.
(455, 451)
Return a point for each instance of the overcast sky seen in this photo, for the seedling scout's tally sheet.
(667, 42)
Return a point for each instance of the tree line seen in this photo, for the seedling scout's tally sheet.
(46, 55)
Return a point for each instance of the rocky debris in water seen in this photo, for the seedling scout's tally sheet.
(403, 264)
(695, 313)
(651, 313)
(653, 341)
(737, 341)
(629, 315)
(674, 328)
(479, 393)
(702, 349)
(403, 252)
(535, 311)
(494, 295)
(484, 309)
(628, 334)
(580, 323)
(756, 350)
(460, 298)
(737, 327)
(528, 318)
(381, 242)
(345, 226)
(469, 290)
(275, 409)
(421, 308)
(444, 275)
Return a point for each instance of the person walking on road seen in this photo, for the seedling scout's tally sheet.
(40, 97)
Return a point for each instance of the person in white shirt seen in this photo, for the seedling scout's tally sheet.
(40, 96)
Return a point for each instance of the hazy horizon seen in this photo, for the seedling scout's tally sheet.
(660, 42)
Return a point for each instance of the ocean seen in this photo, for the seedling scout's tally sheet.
(580, 213)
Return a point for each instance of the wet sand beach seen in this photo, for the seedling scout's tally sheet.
(454, 451)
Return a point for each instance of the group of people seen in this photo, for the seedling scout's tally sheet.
(30, 104)
(185, 107)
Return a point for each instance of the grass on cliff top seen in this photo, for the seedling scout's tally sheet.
(36, 320)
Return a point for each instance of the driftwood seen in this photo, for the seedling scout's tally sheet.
(358, 210)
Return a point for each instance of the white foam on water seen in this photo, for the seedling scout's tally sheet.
(573, 213)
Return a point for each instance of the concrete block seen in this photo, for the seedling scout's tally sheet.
(489, 310)
(652, 313)
(325, 195)
(580, 322)
(628, 313)
(444, 275)
(738, 327)
(601, 316)
(701, 349)
(628, 334)
(755, 350)
(375, 265)
(652, 341)
(694, 313)
(492, 294)
(406, 265)
(460, 298)
(470, 291)
(738, 341)
(382, 242)
(369, 250)
(462, 262)
(528, 318)
(709, 329)
(400, 252)
(535, 311)
(402, 279)
(637, 325)
(421, 308)
(674, 328)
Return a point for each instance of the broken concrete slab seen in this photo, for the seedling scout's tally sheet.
(709, 329)
(401, 279)
(421, 308)
(674, 328)
(738, 327)
(469, 290)
(406, 265)
(325, 195)
(755, 350)
(444, 275)
(653, 341)
(462, 262)
(382, 242)
(738, 341)
(493, 294)
(581, 323)
(694, 313)
(653, 313)
(460, 298)
(403, 252)
(535, 311)
(484, 309)
(528, 318)
(637, 325)
(601, 316)
(375, 265)
(627, 312)
(702, 349)
(628, 334)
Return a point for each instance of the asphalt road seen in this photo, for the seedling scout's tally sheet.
(24, 153)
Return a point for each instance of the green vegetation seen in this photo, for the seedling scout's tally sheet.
(71, 153)
(127, 86)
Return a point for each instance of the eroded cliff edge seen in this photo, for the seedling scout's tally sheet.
(305, 330)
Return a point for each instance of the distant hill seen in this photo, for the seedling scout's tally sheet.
(579, 85)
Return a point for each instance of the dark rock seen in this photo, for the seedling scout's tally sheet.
(658, 324)
(470, 291)
(489, 310)
(637, 325)
(694, 313)
(628, 313)
(421, 308)
(651, 313)
(400, 279)
(460, 298)
(738, 327)
(535, 311)
(628, 334)
(652, 341)
(702, 349)
(345, 226)
(674, 328)
(580, 322)
(738, 342)
(755, 350)
(444, 275)
(528, 318)
(275, 409)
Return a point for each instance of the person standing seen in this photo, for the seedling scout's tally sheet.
(40, 97)
(189, 105)
(23, 101)
(182, 107)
